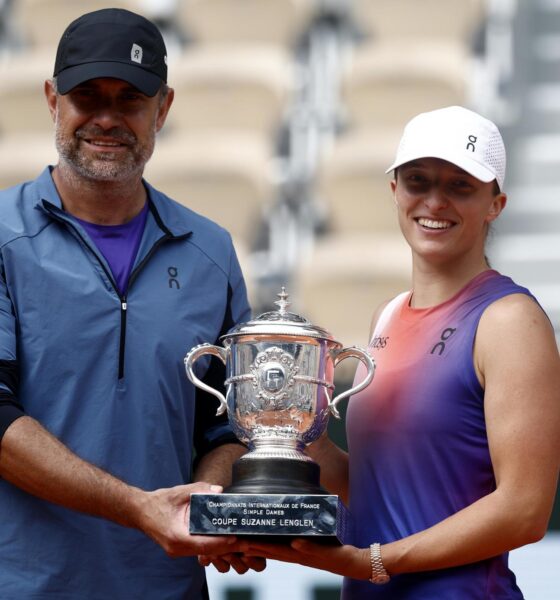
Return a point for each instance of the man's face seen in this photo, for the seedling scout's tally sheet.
(105, 128)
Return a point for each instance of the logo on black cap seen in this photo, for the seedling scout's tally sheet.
(136, 53)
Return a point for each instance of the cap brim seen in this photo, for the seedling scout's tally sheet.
(148, 83)
(463, 162)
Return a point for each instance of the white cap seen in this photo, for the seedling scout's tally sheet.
(459, 136)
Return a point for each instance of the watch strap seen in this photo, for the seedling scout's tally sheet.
(379, 574)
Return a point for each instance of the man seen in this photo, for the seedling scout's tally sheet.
(105, 283)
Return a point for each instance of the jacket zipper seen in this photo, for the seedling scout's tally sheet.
(124, 304)
(122, 340)
(122, 301)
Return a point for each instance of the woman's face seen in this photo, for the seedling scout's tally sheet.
(443, 211)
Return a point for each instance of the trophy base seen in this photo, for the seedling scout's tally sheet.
(276, 498)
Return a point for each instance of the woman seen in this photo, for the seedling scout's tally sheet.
(454, 448)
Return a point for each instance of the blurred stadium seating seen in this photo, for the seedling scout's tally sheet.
(226, 176)
(247, 87)
(389, 82)
(230, 21)
(352, 183)
(21, 95)
(453, 20)
(40, 23)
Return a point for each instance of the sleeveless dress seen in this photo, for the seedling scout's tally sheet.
(418, 444)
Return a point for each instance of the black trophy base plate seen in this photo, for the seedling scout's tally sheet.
(274, 497)
(275, 516)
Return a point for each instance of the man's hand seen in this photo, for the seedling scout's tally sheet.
(165, 518)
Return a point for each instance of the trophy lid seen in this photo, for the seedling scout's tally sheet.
(279, 322)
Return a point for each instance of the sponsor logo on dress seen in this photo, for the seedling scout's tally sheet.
(379, 342)
(439, 348)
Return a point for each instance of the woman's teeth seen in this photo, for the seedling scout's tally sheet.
(430, 224)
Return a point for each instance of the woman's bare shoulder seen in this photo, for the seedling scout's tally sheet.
(515, 328)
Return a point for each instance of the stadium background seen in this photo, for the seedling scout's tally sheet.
(286, 113)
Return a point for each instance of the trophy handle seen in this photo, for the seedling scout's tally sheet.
(193, 355)
(362, 355)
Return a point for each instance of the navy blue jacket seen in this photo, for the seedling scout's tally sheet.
(105, 374)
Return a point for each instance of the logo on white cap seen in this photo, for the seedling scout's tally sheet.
(136, 53)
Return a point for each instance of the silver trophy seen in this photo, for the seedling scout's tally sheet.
(279, 387)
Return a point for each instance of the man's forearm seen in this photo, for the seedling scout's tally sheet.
(215, 467)
(37, 462)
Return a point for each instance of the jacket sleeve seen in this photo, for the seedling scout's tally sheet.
(10, 408)
(211, 431)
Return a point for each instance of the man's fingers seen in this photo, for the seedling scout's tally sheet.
(220, 564)
(237, 562)
(204, 560)
(255, 563)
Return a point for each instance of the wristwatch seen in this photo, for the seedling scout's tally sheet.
(378, 573)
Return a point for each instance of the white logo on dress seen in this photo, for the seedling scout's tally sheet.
(136, 53)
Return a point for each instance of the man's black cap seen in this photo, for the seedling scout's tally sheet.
(115, 43)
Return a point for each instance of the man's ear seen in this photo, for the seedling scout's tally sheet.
(164, 107)
(52, 98)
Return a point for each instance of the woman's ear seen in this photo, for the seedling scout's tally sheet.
(498, 203)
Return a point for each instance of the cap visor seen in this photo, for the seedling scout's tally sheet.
(146, 82)
(463, 162)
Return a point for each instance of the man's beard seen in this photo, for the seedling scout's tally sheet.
(107, 165)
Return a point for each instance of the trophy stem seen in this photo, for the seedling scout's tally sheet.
(275, 476)
(268, 448)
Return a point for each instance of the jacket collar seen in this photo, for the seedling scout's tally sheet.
(169, 217)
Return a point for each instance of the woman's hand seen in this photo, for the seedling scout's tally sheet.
(348, 561)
